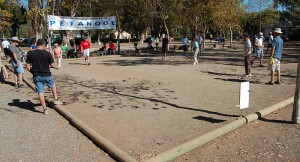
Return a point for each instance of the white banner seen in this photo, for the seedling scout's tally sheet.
(80, 23)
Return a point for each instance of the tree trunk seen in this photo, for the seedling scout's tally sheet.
(230, 37)
(296, 110)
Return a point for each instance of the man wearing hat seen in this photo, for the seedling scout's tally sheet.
(16, 62)
(247, 54)
(259, 49)
(85, 48)
(276, 53)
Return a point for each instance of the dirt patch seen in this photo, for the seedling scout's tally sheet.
(272, 138)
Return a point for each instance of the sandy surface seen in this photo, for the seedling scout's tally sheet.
(146, 106)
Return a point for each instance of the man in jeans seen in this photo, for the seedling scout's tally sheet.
(40, 59)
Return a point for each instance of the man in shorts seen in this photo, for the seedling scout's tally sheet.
(16, 62)
(276, 54)
(38, 62)
(85, 48)
(259, 49)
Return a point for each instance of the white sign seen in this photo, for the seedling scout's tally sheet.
(244, 95)
(80, 23)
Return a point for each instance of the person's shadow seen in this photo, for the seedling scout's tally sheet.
(27, 105)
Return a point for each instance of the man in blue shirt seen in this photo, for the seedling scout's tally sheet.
(276, 53)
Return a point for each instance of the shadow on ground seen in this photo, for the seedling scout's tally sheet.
(27, 105)
(125, 94)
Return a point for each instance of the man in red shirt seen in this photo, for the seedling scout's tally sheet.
(112, 48)
(85, 48)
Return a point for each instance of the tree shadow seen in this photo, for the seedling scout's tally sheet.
(145, 61)
(272, 120)
(27, 105)
(237, 78)
(76, 63)
(114, 93)
(208, 119)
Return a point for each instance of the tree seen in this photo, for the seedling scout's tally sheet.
(37, 15)
(5, 18)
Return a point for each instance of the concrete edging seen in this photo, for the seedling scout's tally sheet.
(89, 132)
(190, 145)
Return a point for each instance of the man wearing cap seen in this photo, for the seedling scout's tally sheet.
(85, 48)
(16, 62)
(38, 62)
(276, 53)
(247, 54)
(270, 42)
(259, 49)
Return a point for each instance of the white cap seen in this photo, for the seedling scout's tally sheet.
(261, 34)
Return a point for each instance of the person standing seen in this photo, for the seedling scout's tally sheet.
(3, 71)
(16, 62)
(165, 43)
(85, 48)
(276, 54)
(195, 47)
(247, 54)
(57, 55)
(199, 39)
(38, 62)
(156, 42)
(259, 49)
(112, 48)
(32, 45)
(5, 46)
(185, 42)
(271, 38)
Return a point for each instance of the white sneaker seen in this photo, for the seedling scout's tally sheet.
(58, 102)
(249, 75)
(46, 112)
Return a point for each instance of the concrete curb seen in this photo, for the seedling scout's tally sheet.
(190, 145)
(89, 132)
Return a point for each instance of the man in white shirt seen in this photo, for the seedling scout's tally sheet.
(5, 46)
(270, 42)
(259, 49)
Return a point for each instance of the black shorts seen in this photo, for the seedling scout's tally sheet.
(164, 49)
(7, 52)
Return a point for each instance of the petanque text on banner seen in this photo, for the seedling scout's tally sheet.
(80, 23)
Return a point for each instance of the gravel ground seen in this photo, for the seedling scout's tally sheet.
(138, 104)
(28, 135)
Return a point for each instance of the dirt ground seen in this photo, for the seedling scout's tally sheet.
(272, 138)
(146, 106)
